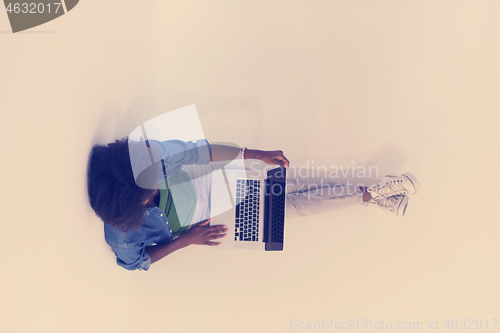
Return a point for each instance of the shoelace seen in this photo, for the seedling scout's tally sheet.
(389, 202)
(394, 187)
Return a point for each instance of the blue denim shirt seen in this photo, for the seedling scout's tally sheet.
(130, 247)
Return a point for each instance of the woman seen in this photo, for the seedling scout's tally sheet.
(142, 225)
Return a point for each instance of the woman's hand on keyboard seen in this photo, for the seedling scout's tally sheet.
(203, 234)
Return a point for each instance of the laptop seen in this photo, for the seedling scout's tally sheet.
(251, 203)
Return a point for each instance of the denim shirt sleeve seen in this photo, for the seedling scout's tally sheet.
(176, 153)
(132, 256)
(130, 247)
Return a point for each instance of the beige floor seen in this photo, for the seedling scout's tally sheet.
(400, 85)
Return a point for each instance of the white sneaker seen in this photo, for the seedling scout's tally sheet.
(405, 184)
(396, 204)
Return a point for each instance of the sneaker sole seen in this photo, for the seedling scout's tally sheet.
(402, 207)
(413, 180)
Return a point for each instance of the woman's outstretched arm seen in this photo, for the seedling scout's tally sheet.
(200, 233)
(227, 153)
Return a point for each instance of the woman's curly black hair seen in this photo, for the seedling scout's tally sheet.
(114, 195)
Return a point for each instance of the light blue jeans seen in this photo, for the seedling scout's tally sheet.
(310, 196)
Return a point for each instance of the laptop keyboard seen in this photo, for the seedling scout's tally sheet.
(247, 211)
(278, 212)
